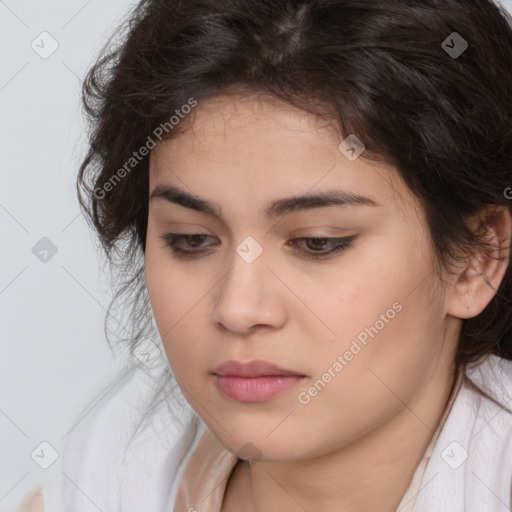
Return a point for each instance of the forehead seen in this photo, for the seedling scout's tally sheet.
(259, 142)
(227, 120)
(240, 110)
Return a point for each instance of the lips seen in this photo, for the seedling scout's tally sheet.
(255, 381)
(256, 368)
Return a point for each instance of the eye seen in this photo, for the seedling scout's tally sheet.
(193, 241)
(185, 246)
(338, 245)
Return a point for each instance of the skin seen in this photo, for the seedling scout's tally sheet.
(356, 444)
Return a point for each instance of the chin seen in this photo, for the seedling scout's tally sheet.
(254, 446)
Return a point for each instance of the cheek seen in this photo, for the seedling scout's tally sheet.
(376, 377)
(385, 312)
(176, 301)
(160, 293)
(164, 291)
(394, 351)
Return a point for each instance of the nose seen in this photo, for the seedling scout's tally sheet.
(249, 298)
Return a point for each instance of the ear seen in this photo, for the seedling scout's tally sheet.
(480, 276)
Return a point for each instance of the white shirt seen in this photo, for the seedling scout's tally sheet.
(468, 468)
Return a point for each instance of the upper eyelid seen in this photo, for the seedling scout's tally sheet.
(318, 237)
(181, 236)
(339, 246)
(165, 219)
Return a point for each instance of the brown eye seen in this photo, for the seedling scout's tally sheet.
(314, 249)
(188, 245)
(196, 239)
(318, 243)
(192, 241)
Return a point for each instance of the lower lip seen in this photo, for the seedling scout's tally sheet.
(255, 389)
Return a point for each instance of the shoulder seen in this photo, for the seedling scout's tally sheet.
(120, 442)
(474, 445)
(490, 385)
(493, 380)
(103, 422)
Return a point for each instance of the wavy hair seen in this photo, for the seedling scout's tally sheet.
(390, 71)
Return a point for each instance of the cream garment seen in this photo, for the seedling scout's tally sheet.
(468, 468)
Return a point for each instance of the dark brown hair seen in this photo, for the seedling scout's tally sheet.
(391, 72)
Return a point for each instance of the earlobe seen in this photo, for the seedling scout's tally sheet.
(480, 278)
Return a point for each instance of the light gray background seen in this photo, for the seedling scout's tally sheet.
(54, 354)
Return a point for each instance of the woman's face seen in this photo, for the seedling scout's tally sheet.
(364, 331)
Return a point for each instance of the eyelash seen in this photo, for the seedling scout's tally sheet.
(172, 239)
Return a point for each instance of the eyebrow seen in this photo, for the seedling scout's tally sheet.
(277, 208)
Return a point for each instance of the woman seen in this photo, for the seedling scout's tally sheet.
(312, 201)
